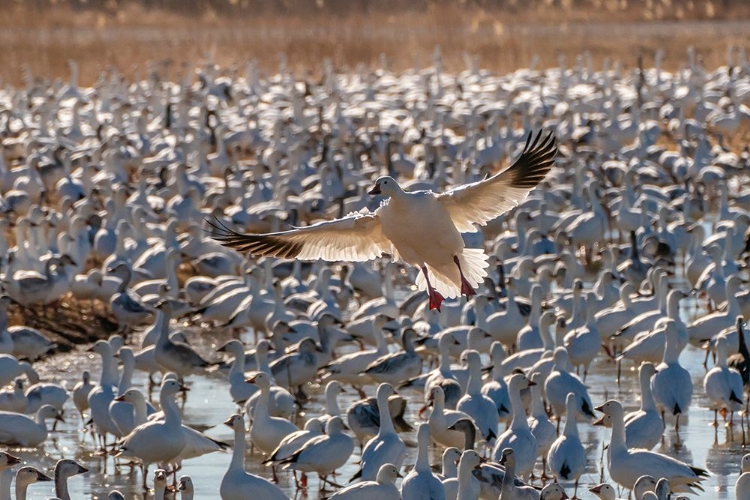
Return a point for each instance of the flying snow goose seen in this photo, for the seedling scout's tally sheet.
(400, 226)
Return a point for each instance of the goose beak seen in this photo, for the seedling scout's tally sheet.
(40, 476)
(595, 489)
(398, 474)
(59, 418)
(599, 421)
(119, 398)
(12, 460)
(599, 408)
(228, 422)
(375, 190)
(184, 388)
(250, 380)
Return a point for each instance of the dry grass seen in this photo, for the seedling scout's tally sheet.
(503, 35)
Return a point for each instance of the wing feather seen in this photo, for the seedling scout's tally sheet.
(482, 201)
(356, 237)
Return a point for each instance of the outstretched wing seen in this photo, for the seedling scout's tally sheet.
(356, 237)
(482, 201)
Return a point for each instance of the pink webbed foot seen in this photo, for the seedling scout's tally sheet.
(436, 300)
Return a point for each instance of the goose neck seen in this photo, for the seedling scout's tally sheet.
(238, 452)
(332, 404)
(519, 414)
(386, 424)
(126, 377)
(171, 411)
(21, 488)
(61, 485)
(617, 442)
(6, 477)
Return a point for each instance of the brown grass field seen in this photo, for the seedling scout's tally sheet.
(503, 35)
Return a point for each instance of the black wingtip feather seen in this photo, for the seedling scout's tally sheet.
(256, 244)
(535, 161)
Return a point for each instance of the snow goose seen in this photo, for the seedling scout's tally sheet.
(267, 432)
(723, 385)
(382, 488)
(706, 327)
(128, 310)
(64, 470)
(158, 441)
(22, 430)
(479, 407)
(29, 343)
(464, 486)
(387, 446)
(185, 487)
(295, 369)
(553, 491)
(644, 427)
(238, 388)
(496, 389)
(518, 436)
(604, 491)
(26, 476)
(672, 385)
(543, 430)
(742, 485)
(567, 456)
(510, 489)
(176, 357)
(14, 400)
(349, 367)
(449, 461)
(560, 382)
(421, 483)
(294, 441)
(504, 325)
(323, 454)
(102, 395)
(626, 465)
(398, 227)
(443, 376)
(397, 367)
(450, 427)
(363, 417)
(237, 484)
(584, 344)
(281, 403)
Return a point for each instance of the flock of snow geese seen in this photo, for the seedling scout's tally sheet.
(471, 254)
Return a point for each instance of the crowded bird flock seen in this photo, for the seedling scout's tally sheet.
(415, 285)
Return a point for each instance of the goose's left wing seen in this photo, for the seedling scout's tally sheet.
(357, 237)
(482, 201)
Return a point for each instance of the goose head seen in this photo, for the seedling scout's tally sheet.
(236, 422)
(451, 455)
(102, 348)
(67, 468)
(115, 495)
(519, 382)
(745, 463)
(387, 474)
(611, 408)
(386, 186)
(604, 491)
(29, 475)
(643, 485)
(132, 396)
(7, 460)
(160, 479)
(471, 460)
(172, 387)
(553, 491)
(233, 347)
(260, 379)
(185, 484)
(508, 457)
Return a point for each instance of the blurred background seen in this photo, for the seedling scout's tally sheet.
(499, 35)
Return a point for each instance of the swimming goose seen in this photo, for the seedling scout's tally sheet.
(723, 385)
(567, 456)
(626, 465)
(64, 470)
(26, 476)
(398, 227)
(158, 441)
(672, 385)
(518, 436)
(382, 488)
(421, 483)
(237, 484)
(387, 446)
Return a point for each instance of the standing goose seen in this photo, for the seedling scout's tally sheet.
(401, 225)
(387, 446)
(158, 441)
(567, 456)
(238, 484)
(174, 356)
(496, 389)
(518, 436)
(421, 483)
(626, 465)
(560, 382)
(397, 367)
(479, 407)
(450, 427)
(510, 489)
(101, 396)
(543, 430)
(671, 385)
(185, 487)
(644, 427)
(723, 384)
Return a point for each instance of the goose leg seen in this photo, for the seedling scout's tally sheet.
(466, 288)
(435, 298)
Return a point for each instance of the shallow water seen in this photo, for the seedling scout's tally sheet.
(208, 404)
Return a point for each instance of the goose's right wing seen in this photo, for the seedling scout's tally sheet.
(357, 237)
